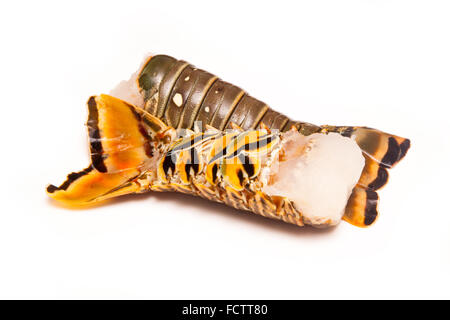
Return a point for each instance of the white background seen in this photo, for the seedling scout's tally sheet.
(384, 64)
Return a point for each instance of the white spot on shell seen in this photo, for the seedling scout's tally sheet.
(178, 99)
(187, 78)
(206, 109)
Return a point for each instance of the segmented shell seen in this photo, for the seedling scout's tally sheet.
(180, 94)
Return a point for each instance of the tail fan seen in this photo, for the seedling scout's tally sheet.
(120, 138)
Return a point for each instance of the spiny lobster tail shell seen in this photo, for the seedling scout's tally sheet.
(181, 94)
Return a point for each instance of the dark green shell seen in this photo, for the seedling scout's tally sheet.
(180, 94)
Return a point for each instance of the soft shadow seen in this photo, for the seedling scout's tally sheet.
(211, 207)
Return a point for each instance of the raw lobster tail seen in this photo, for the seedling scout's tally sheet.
(167, 133)
(256, 170)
